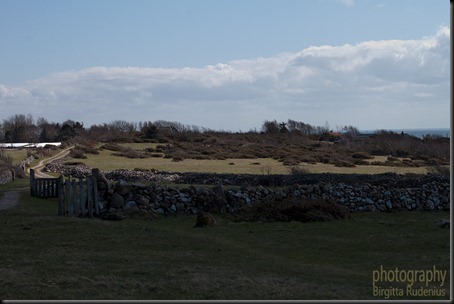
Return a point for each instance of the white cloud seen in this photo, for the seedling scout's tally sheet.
(387, 81)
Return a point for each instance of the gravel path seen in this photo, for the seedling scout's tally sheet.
(11, 198)
(43, 162)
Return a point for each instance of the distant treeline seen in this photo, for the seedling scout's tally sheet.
(24, 128)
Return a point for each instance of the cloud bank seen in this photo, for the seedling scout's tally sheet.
(371, 85)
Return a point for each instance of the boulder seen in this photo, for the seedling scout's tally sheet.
(205, 219)
(443, 223)
(117, 201)
(112, 217)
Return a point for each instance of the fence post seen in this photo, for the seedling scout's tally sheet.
(95, 173)
(61, 196)
(47, 184)
(90, 196)
(32, 182)
(69, 197)
(74, 190)
(81, 198)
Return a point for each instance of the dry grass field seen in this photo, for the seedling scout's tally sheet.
(105, 160)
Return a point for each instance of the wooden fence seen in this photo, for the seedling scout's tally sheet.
(43, 187)
(76, 197)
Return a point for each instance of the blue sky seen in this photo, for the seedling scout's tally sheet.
(228, 64)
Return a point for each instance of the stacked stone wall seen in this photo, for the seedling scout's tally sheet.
(430, 193)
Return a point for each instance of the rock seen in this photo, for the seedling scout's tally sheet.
(132, 210)
(218, 191)
(369, 201)
(443, 223)
(205, 219)
(122, 188)
(389, 205)
(429, 205)
(117, 201)
(112, 217)
(142, 200)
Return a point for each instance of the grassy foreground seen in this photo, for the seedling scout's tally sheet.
(44, 256)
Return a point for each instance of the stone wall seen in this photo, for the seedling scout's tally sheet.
(430, 193)
(6, 176)
(126, 190)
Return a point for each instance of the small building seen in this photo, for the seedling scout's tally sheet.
(29, 145)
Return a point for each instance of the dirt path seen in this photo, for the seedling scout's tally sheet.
(11, 198)
(43, 162)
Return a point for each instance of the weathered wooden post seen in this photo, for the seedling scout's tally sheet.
(32, 182)
(61, 196)
(90, 196)
(74, 190)
(81, 198)
(95, 174)
(69, 197)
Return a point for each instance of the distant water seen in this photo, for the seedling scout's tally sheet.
(445, 132)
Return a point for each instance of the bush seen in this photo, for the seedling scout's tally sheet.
(130, 153)
(155, 155)
(112, 147)
(87, 149)
(298, 209)
(295, 170)
(343, 163)
(19, 172)
(441, 170)
(361, 162)
(361, 155)
(77, 153)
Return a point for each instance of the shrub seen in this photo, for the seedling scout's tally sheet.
(112, 147)
(77, 153)
(441, 170)
(155, 155)
(343, 163)
(361, 162)
(19, 172)
(73, 163)
(298, 209)
(295, 170)
(130, 153)
(361, 155)
(87, 149)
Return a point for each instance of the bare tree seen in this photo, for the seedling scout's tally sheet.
(20, 128)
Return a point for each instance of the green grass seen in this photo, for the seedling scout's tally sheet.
(44, 256)
(17, 155)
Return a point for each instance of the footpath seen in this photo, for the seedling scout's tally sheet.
(11, 198)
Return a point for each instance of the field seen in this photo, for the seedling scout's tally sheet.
(106, 161)
(44, 256)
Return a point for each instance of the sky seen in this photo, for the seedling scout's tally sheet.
(228, 64)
